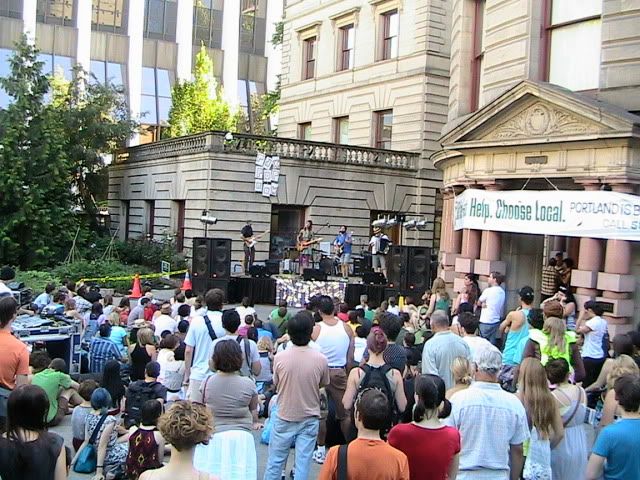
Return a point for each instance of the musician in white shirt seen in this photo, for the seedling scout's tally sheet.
(379, 245)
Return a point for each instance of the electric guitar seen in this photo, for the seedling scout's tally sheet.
(300, 246)
(252, 241)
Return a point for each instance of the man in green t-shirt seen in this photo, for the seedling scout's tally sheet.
(59, 387)
(280, 316)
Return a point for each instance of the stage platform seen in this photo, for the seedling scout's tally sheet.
(297, 292)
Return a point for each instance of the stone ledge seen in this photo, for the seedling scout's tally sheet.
(485, 267)
(615, 282)
(584, 278)
(618, 307)
(464, 265)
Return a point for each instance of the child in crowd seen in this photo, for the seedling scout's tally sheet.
(81, 411)
(413, 354)
(263, 332)
(171, 370)
(264, 381)
(248, 323)
(360, 343)
(146, 443)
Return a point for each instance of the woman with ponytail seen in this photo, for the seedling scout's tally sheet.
(544, 419)
(431, 447)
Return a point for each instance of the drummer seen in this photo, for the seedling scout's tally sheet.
(343, 245)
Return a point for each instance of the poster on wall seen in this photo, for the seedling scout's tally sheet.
(267, 174)
(601, 214)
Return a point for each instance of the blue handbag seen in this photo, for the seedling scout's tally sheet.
(87, 460)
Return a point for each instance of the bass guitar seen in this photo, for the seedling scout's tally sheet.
(300, 246)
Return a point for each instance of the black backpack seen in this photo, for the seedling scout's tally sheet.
(376, 377)
(137, 393)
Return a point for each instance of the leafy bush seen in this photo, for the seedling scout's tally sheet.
(98, 269)
(36, 280)
(149, 254)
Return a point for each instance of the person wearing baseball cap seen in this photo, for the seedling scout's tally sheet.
(516, 328)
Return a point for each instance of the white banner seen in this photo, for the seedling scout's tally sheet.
(573, 213)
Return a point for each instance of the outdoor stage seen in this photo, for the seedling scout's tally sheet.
(297, 291)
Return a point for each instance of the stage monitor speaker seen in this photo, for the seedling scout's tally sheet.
(418, 271)
(314, 274)
(258, 271)
(326, 265)
(211, 257)
(202, 285)
(373, 278)
(273, 267)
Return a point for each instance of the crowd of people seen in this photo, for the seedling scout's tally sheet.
(439, 389)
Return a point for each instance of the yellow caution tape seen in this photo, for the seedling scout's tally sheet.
(131, 277)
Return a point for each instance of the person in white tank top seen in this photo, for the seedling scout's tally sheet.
(335, 339)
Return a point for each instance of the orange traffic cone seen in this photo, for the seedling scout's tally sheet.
(136, 291)
(186, 285)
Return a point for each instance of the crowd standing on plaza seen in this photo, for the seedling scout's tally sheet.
(451, 388)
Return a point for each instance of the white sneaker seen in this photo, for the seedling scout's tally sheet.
(319, 456)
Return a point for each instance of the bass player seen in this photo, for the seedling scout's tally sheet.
(343, 244)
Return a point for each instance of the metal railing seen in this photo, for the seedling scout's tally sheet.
(286, 148)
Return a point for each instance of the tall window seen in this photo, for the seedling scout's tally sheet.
(57, 64)
(180, 216)
(347, 36)
(207, 23)
(151, 218)
(390, 29)
(341, 130)
(309, 58)
(156, 99)
(11, 8)
(383, 125)
(478, 53)
(252, 27)
(304, 131)
(246, 90)
(574, 44)
(124, 219)
(160, 18)
(104, 72)
(5, 71)
(59, 12)
(108, 15)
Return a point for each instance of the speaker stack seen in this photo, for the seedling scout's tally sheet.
(409, 269)
(211, 264)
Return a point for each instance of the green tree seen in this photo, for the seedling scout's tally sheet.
(96, 120)
(198, 105)
(36, 205)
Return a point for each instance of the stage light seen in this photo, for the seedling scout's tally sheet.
(392, 222)
(410, 225)
(421, 225)
(380, 223)
(206, 219)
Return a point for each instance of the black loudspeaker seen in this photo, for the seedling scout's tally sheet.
(314, 274)
(273, 267)
(409, 268)
(326, 265)
(258, 271)
(373, 278)
(211, 260)
(361, 265)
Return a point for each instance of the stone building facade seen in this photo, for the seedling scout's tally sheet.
(544, 95)
(366, 72)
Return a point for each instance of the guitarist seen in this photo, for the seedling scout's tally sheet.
(306, 255)
(249, 250)
(343, 243)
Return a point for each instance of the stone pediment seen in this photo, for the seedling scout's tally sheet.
(542, 120)
(536, 112)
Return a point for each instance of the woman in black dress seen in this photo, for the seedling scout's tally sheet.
(27, 450)
(143, 352)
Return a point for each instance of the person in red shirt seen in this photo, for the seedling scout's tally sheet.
(432, 448)
(14, 361)
(343, 312)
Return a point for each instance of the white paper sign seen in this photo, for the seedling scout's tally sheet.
(260, 159)
(275, 175)
(258, 187)
(601, 214)
(259, 171)
(267, 163)
(266, 190)
(276, 162)
(274, 189)
(267, 176)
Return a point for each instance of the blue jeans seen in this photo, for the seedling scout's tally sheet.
(283, 434)
(490, 332)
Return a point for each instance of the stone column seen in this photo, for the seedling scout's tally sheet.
(616, 283)
(469, 253)
(449, 239)
(585, 277)
(491, 243)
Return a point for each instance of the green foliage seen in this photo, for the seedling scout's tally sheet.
(262, 108)
(36, 219)
(150, 254)
(36, 280)
(197, 105)
(98, 269)
(278, 34)
(51, 158)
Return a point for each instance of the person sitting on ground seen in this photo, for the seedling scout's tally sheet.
(615, 453)
(431, 448)
(181, 334)
(368, 457)
(279, 317)
(171, 370)
(140, 391)
(360, 343)
(377, 373)
(79, 415)
(352, 320)
(245, 308)
(119, 337)
(462, 370)
(27, 450)
(233, 399)
(70, 311)
(123, 309)
(102, 349)
(112, 382)
(343, 312)
(137, 312)
(264, 381)
(146, 444)
(246, 325)
(184, 426)
(111, 454)
(262, 331)
(164, 321)
(46, 297)
(393, 306)
(183, 313)
(142, 352)
(60, 389)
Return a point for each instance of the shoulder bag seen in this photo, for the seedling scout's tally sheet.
(87, 460)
